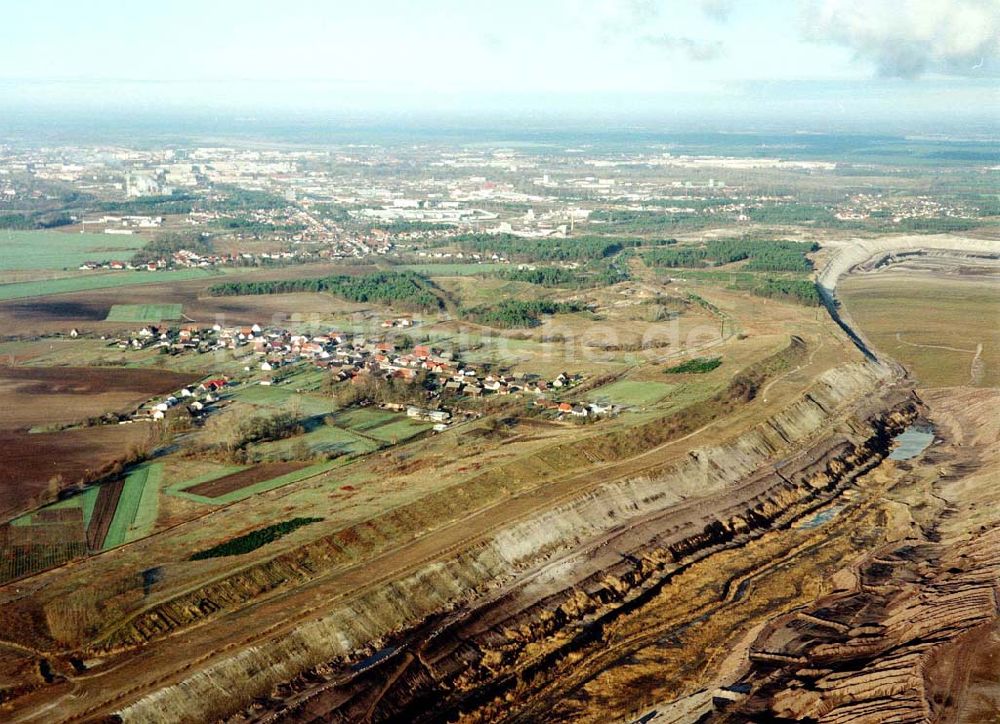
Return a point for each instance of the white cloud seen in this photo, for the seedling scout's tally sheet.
(717, 9)
(697, 50)
(650, 23)
(631, 14)
(907, 38)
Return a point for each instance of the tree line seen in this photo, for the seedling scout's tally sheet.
(802, 291)
(761, 255)
(583, 248)
(167, 244)
(404, 289)
(599, 273)
(34, 221)
(251, 226)
(511, 313)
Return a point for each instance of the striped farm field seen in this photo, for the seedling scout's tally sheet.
(136, 511)
(244, 482)
(143, 312)
(101, 280)
(105, 510)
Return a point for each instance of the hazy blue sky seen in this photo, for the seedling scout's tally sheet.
(455, 54)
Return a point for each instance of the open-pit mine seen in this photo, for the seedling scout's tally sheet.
(814, 536)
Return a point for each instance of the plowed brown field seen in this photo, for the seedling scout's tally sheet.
(46, 395)
(236, 481)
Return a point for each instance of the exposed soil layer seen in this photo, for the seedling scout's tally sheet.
(237, 481)
(47, 311)
(909, 631)
(35, 465)
(914, 634)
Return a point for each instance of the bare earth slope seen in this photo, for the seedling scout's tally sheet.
(914, 636)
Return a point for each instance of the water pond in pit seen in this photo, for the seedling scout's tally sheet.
(823, 516)
(911, 442)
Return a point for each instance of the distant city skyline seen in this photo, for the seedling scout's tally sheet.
(814, 58)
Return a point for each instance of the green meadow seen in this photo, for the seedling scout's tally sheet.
(20, 250)
(99, 280)
(143, 312)
(632, 392)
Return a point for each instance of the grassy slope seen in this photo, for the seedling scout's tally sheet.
(632, 392)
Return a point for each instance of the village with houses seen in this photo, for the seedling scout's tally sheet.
(445, 381)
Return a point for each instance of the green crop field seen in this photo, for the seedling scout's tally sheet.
(382, 425)
(149, 503)
(85, 500)
(101, 280)
(364, 418)
(143, 312)
(632, 392)
(21, 250)
(402, 429)
(284, 396)
(322, 440)
(136, 511)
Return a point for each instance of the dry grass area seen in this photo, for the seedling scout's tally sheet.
(629, 326)
(471, 291)
(944, 329)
